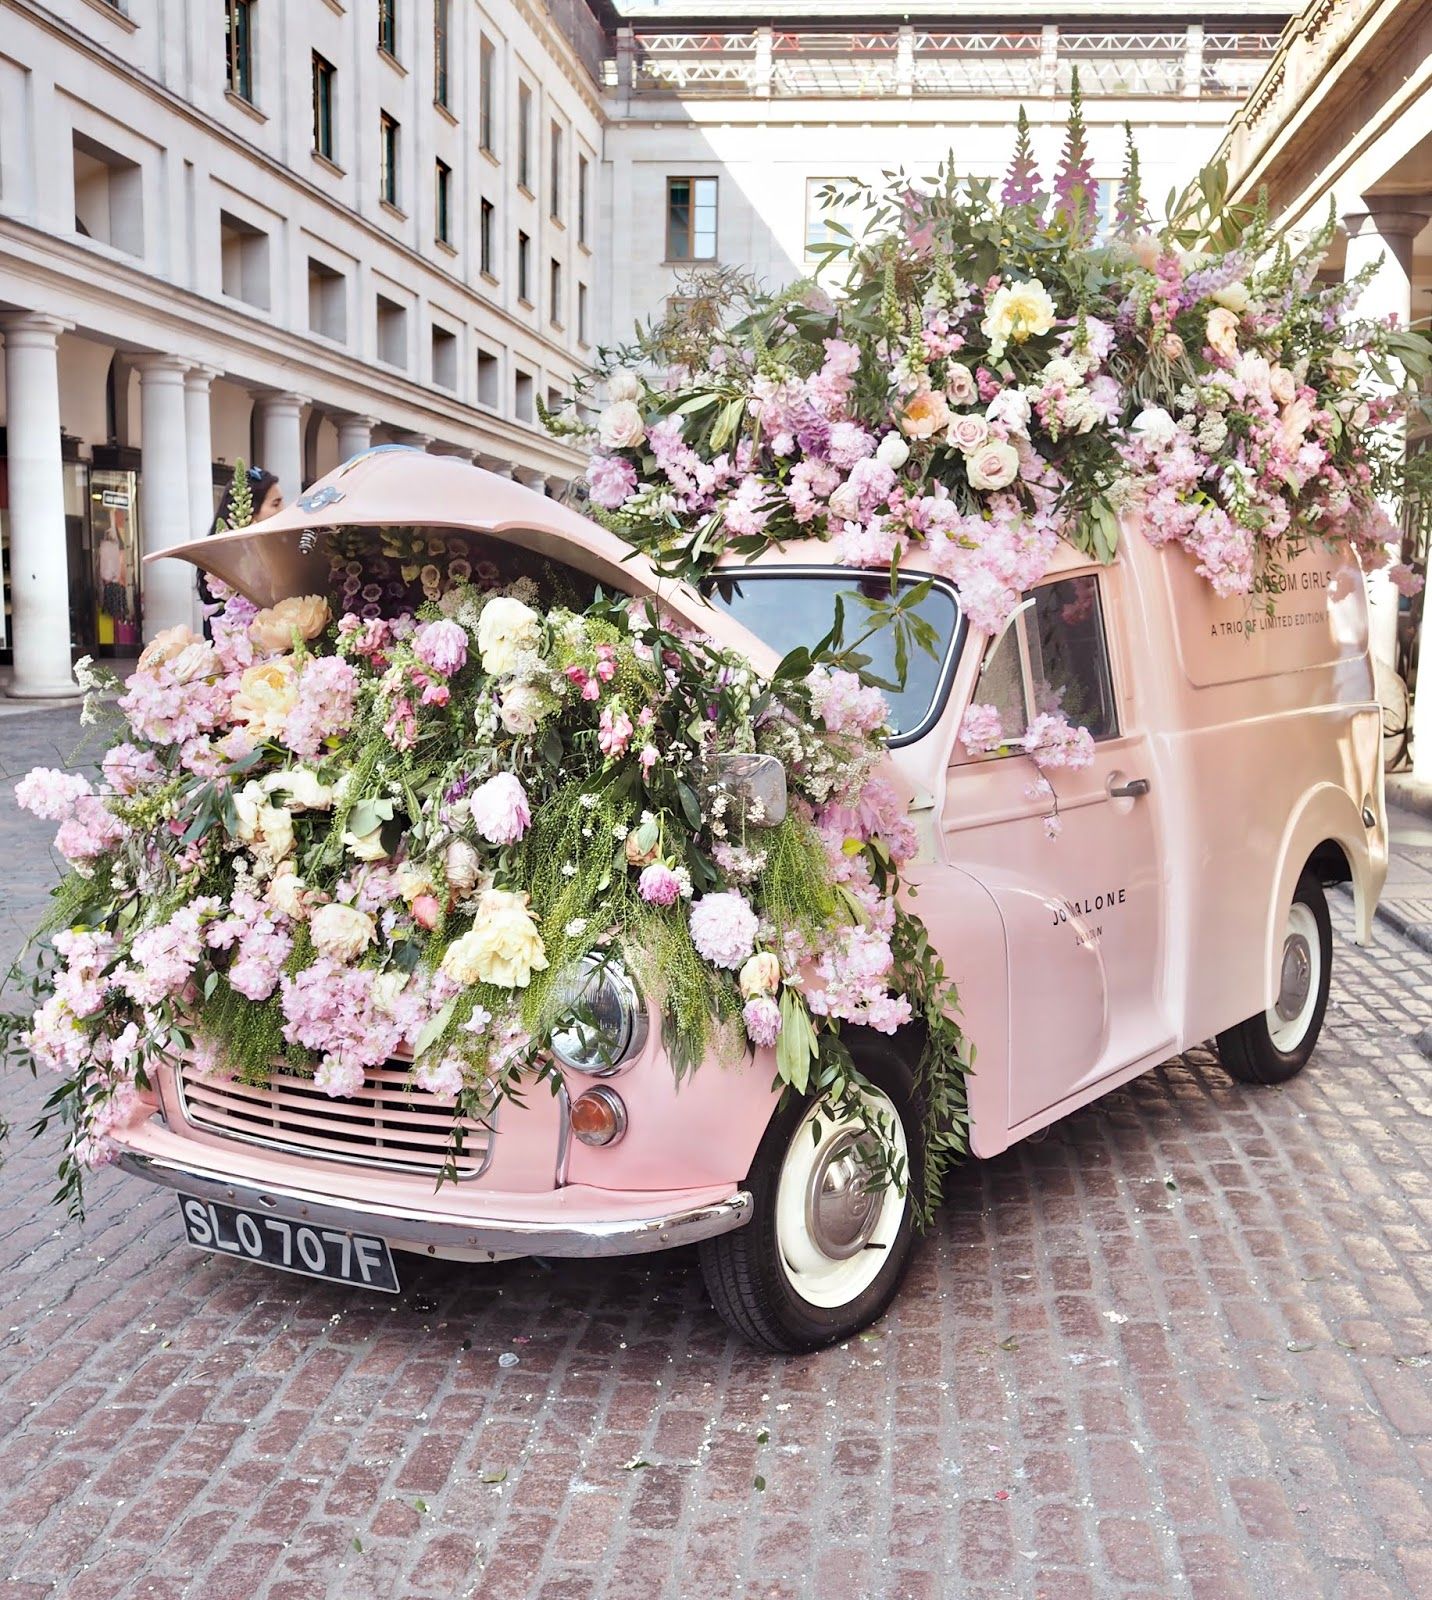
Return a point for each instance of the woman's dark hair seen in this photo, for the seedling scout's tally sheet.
(260, 482)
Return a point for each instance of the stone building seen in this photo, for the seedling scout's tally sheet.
(284, 230)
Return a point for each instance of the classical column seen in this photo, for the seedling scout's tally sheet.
(39, 555)
(281, 441)
(164, 505)
(199, 444)
(355, 434)
(413, 439)
(441, 448)
(1383, 235)
(536, 481)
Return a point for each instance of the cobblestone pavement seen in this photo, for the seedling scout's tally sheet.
(1180, 1347)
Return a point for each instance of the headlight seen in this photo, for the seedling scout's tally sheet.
(601, 1025)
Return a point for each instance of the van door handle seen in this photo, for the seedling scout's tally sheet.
(1130, 790)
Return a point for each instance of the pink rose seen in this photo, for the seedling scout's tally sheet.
(968, 432)
(994, 466)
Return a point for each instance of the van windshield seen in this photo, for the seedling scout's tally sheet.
(788, 606)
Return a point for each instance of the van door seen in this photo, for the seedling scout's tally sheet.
(1084, 910)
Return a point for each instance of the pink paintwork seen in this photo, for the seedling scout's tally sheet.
(1150, 924)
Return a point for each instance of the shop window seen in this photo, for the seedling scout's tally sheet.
(691, 219)
(489, 378)
(239, 45)
(322, 107)
(109, 200)
(327, 300)
(444, 358)
(392, 332)
(244, 260)
(524, 392)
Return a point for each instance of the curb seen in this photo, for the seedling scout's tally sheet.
(1404, 790)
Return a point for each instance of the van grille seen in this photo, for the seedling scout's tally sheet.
(388, 1124)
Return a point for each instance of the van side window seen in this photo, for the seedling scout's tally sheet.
(1001, 683)
(1068, 656)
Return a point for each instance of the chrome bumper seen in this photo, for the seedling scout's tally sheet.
(411, 1226)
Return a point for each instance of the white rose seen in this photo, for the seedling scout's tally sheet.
(502, 947)
(521, 709)
(1018, 311)
(960, 386)
(1010, 407)
(197, 660)
(1342, 366)
(302, 786)
(275, 832)
(845, 502)
(892, 452)
(341, 932)
(461, 865)
(1155, 426)
(967, 432)
(623, 384)
(994, 466)
(248, 802)
(366, 846)
(760, 975)
(286, 891)
(386, 990)
(504, 630)
(1233, 296)
(620, 426)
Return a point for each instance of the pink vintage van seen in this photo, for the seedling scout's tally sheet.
(1237, 774)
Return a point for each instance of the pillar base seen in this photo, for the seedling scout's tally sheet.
(69, 691)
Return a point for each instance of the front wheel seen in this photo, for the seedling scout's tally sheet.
(824, 1252)
(1275, 1045)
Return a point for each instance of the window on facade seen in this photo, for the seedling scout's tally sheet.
(489, 370)
(524, 390)
(244, 260)
(555, 177)
(524, 268)
(487, 94)
(824, 205)
(327, 300)
(388, 26)
(322, 106)
(554, 293)
(442, 202)
(109, 195)
(392, 332)
(582, 180)
(691, 219)
(441, 20)
(486, 245)
(388, 159)
(239, 41)
(524, 136)
(444, 357)
(582, 314)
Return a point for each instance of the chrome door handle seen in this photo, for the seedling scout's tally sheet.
(1130, 790)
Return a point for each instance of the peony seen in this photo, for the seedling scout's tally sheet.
(623, 384)
(762, 1020)
(658, 885)
(499, 809)
(892, 452)
(760, 975)
(1155, 426)
(163, 647)
(967, 432)
(1232, 296)
(342, 932)
(441, 646)
(994, 466)
(505, 629)
(502, 947)
(926, 413)
(1222, 334)
(620, 426)
(1010, 408)
(267, 693)
(723, 929)
(1017, 311)
(611, 481)
(307, 615)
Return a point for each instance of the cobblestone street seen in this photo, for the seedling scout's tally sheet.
(1178, 1347)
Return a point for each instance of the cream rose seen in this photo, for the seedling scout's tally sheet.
(306, 614)
(197, 660)
(967, 432)
(503, 946)
(366, 846)
(275, 830)
(286, 893)
(163, 647)
(267, 693)
(1018, 311)
(1222, 333)
(341, 932)
(926, 413)
(760, 975)
(1233, 297)
(462, 866)
(1342, 367)
(302, 788)
(248, 802)
(623, 384)
(995, 466)
(1173, 347)
(620, 426)
(1283, 384)
(845, 502)
(504, 630)
(960, 386)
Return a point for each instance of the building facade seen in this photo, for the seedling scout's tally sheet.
(283, 230)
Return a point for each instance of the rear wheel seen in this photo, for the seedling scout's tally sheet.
(1275, 1045)
(824, 1252)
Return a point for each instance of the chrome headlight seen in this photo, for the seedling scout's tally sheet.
(601, 1021)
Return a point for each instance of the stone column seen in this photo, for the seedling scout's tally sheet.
(461, 451)
(164, 503)
(281, 441)
(355, 434)
(39, 554)
(1383, 234)
(199, 445)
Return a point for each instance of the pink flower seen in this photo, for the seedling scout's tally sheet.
(1052, 741)
(441, 646)
(1405, 580)
(89, 832)
(614, 732)
(762, 1018)
(127, 769)
(658, 885)
(844, 704)
(444, 1080)
(723, 929)
(327, 696)
(340, 1080)
(611, 480)
(48, 793)
(982, 730)
(426, 911)
(499, 808)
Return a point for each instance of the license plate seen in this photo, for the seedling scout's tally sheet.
(301, 1247)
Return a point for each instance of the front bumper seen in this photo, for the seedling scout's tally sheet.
(672, 1220)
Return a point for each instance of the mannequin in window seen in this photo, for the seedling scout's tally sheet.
(113, 572)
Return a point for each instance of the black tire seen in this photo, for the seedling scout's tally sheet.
(1271, 1048)
(747, 1275)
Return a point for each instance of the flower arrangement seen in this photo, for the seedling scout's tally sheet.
(328, 843)
(995, 374)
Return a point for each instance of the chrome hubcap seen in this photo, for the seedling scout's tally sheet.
(1297, 977)
(841, 1211)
